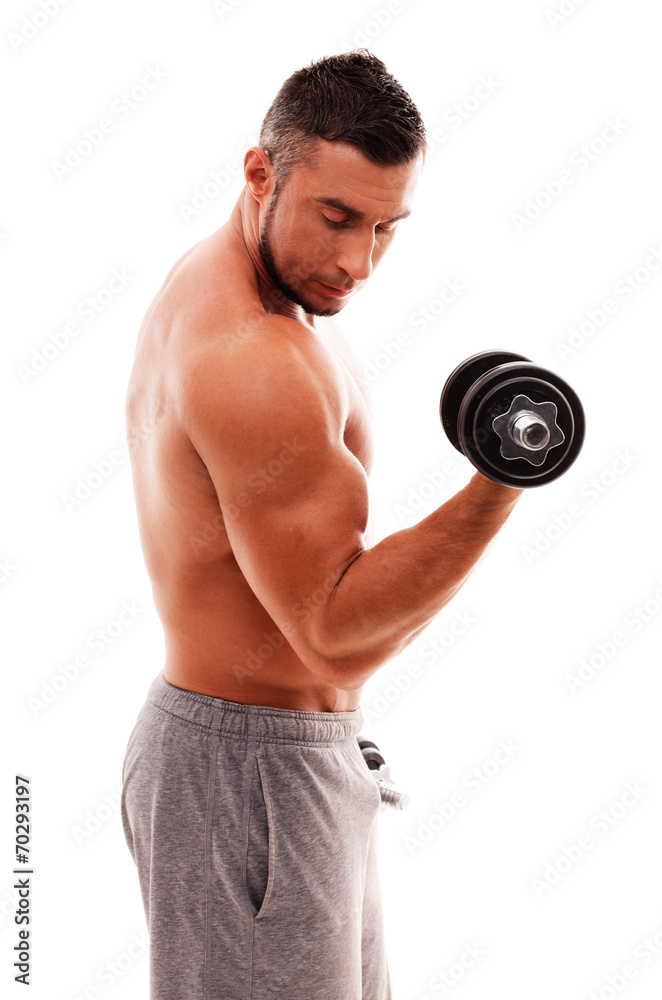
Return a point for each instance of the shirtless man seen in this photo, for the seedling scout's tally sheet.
(246, 803)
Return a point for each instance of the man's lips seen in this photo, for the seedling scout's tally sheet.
(333, 289)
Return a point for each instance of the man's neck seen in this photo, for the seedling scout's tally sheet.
(244, 222)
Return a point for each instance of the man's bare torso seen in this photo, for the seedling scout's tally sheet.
(219, 639)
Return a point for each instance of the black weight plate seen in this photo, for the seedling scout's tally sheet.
(491, 395)
(488, 443)
(460, 381)
(494, 396)
(373, 759)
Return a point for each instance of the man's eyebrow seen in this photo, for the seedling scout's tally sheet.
(336, 203)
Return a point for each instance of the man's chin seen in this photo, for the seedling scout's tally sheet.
(310, 307)
(332, 311)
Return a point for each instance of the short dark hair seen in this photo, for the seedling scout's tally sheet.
(344, 98)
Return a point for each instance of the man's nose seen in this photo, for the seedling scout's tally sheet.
(355, 255)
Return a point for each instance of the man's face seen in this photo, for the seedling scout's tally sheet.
(331, 224)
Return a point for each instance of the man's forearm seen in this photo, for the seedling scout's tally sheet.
(391, 591)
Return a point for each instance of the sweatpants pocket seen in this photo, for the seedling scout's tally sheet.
(260, 846)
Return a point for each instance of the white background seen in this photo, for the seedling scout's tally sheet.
(578, 561)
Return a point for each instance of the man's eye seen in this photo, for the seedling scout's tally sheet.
(345, 222)
(335, 225)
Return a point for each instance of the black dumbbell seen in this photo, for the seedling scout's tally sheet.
(390, 795)
(518, 424)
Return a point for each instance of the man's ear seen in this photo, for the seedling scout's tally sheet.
(259, 173)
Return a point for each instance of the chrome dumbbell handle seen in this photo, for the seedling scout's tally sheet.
(391, 796)
(529, 430)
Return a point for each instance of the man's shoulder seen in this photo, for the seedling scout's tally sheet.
(261, 378)
(242, 358)
(215, 309)
(221, 334)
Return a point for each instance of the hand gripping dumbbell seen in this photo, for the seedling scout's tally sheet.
(518, 424)
(373, 758)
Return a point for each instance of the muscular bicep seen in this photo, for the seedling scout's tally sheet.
(294, 499)
(294, 529)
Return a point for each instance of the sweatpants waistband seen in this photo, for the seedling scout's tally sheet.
(263, 723)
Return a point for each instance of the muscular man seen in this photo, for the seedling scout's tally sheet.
(246, 802)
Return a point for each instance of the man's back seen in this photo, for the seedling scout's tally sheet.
(219, 638)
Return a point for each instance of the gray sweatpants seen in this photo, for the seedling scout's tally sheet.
(254, 831)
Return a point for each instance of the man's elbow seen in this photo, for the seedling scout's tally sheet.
(336, 658)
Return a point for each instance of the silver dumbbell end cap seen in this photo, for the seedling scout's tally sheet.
(528, 430)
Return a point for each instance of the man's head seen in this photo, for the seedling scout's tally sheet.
(341, 149)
